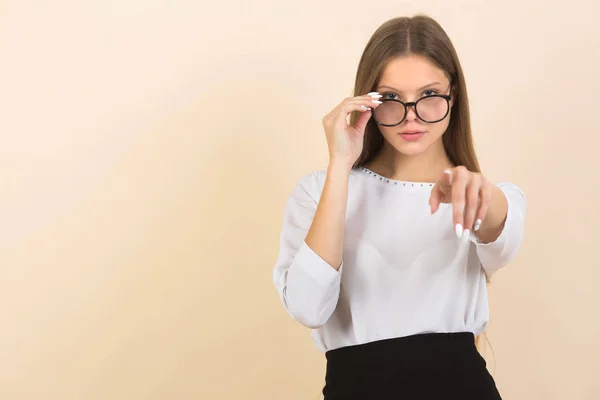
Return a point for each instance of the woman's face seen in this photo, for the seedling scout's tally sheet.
(409, 78)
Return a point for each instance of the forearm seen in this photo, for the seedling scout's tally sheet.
(493, 224)
(326, 234)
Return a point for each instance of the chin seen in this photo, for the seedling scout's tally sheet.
(411, 149)
(415, 147)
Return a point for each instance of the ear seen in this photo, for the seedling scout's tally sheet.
(453, 93)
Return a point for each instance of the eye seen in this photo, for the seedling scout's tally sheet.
(390, 96)
(430, 92)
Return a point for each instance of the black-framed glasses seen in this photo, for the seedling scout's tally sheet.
(429, 109)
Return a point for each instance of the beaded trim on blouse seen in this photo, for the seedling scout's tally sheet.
(395, 182)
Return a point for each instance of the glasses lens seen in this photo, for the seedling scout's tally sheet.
(389, 113)
(432, 108)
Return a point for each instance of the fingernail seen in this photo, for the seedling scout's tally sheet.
(449, 173)
(373, 94)
(466, 235)
(366, 108)
(376, 101)
(477, 225)
(459, 230)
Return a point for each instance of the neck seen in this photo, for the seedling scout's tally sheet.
(425, 167)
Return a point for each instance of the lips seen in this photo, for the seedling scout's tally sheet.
(411, 132)
(411, 135)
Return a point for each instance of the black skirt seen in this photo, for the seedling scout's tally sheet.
(440, 366)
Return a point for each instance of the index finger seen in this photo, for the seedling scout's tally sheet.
(446, 178)
(459, 185)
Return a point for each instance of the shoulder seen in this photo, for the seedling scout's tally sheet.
(310, 185)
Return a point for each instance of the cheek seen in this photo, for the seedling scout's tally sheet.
(439, 128)
(388, 132)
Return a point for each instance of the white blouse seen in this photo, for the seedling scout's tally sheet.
(404, 271)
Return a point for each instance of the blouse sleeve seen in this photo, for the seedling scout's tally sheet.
(307, 285)
(496, 254)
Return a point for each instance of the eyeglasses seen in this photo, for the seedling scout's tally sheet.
(429, 109)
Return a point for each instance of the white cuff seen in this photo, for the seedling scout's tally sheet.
(317, 268)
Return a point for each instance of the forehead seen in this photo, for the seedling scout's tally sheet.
(411, 72)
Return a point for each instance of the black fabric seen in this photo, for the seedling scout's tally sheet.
(440, 366)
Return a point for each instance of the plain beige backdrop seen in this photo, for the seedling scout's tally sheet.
(147, 149)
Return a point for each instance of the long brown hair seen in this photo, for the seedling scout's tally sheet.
(420, 35)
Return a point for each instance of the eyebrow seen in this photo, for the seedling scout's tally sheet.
(421, 88)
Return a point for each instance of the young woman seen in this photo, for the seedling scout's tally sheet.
(386, 254)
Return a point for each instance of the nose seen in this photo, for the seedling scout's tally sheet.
(411, 114)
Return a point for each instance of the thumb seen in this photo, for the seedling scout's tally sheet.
(363, 119)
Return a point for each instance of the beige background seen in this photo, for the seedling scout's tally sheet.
(147, 149)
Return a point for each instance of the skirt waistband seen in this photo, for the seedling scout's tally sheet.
(424, 350)
(428, 366)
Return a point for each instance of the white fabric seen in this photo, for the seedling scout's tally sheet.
(403, 272)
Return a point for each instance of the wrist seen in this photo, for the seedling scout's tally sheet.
(340, 166)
